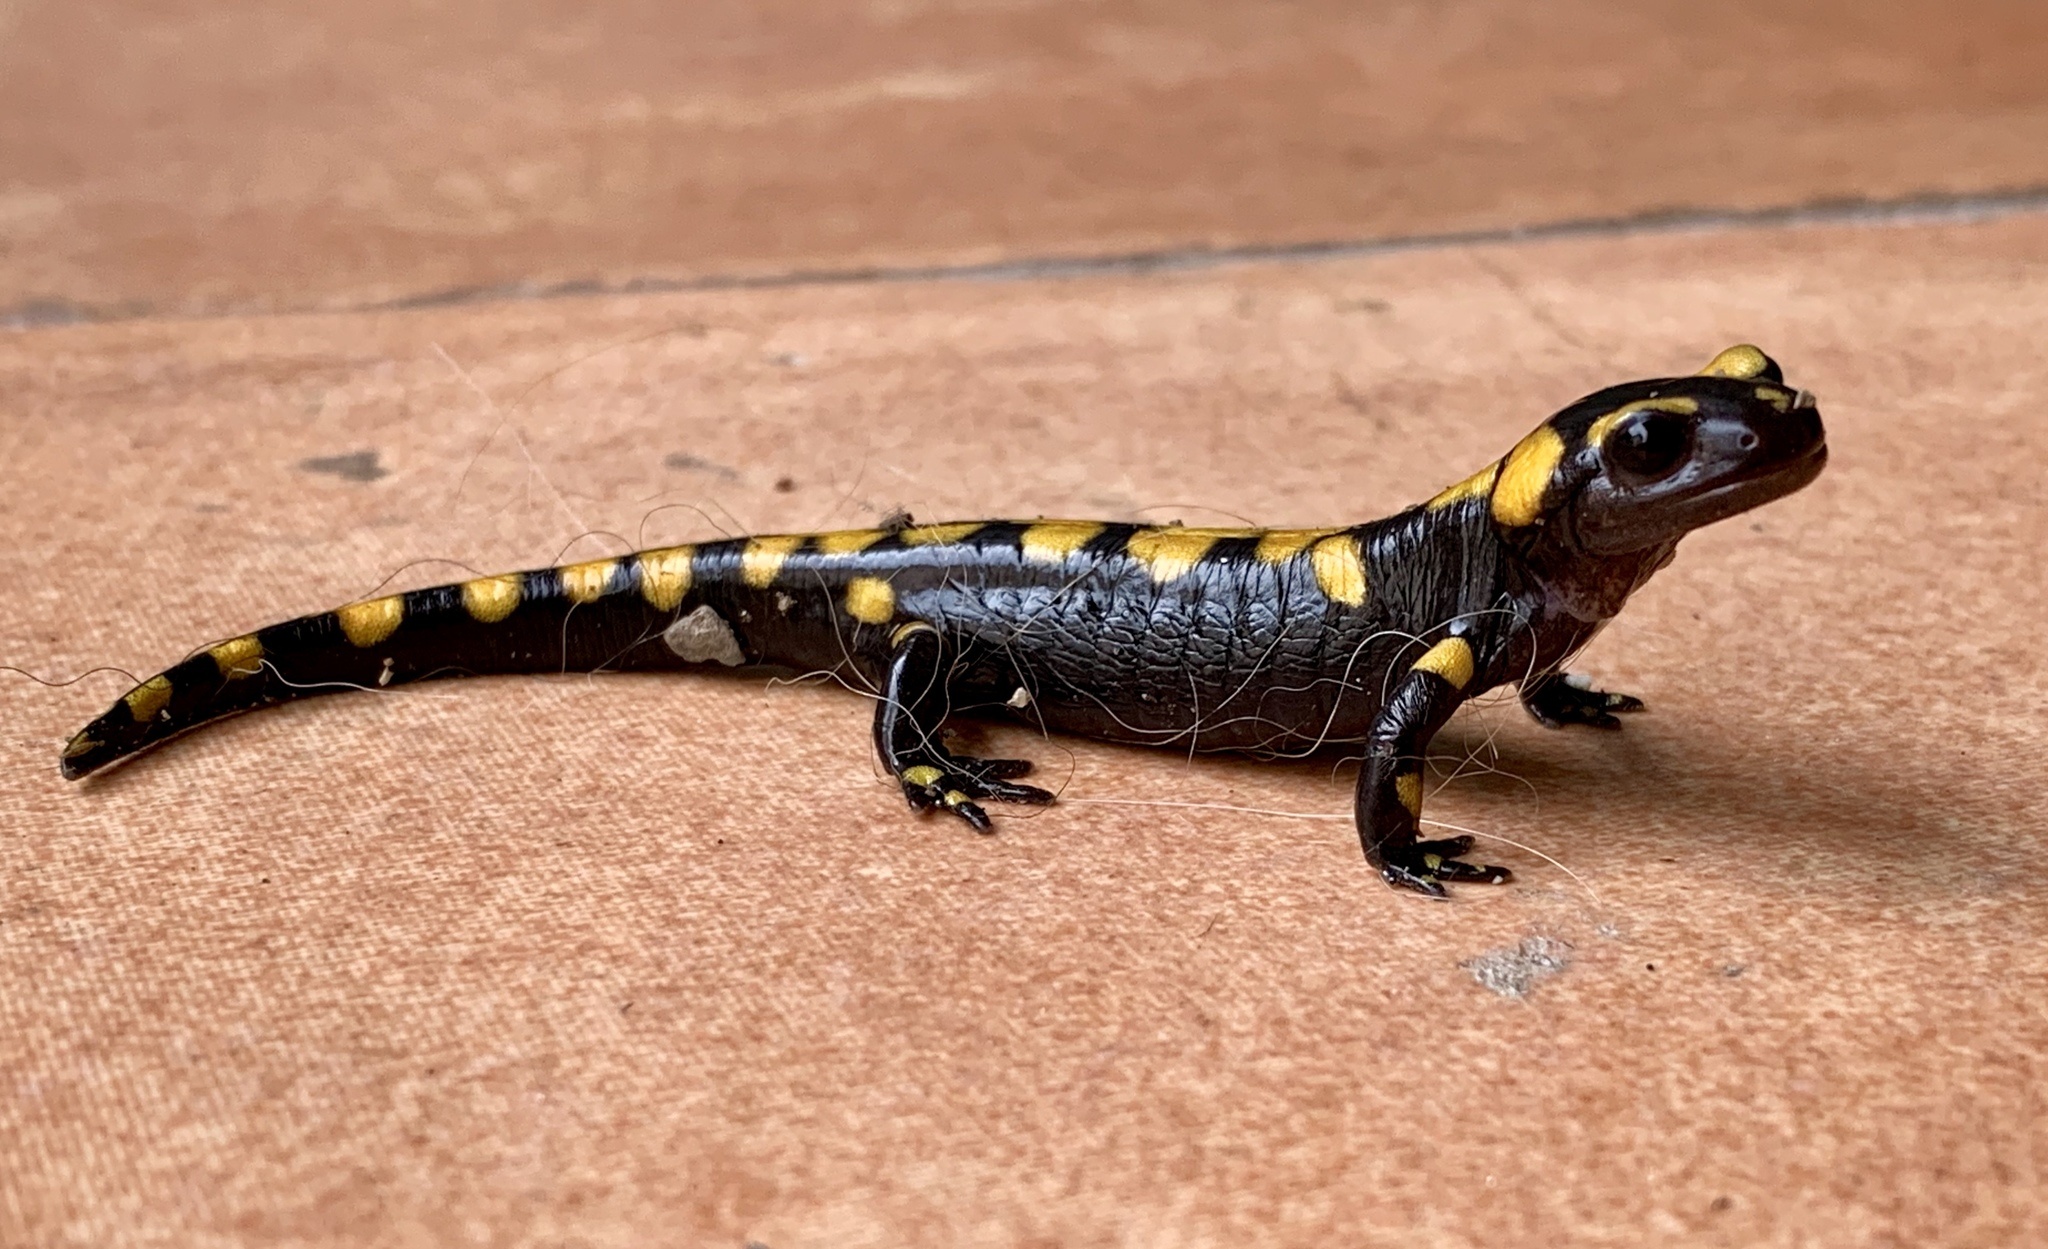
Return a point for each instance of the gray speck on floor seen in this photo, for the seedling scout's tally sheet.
(355, 466)
(698, 464)
(1512, 971)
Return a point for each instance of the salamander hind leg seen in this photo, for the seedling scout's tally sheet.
(907, 737)
(1565, 698)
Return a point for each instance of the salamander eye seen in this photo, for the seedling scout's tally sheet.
(1648, 445)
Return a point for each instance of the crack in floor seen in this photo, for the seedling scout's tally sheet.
(1905, 210)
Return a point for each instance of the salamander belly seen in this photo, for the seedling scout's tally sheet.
(1229, 655)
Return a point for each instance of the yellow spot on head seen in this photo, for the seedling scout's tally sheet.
(1775, 397)
(1277, 546)
(149, 698)
(1052, 541)
(922, 774)
(366, 624)
(1741, 361)
(1450, 659)
(1683, 405)
(1408, 788)
(1170, 553)
(665, 576)
(584, 582)
(1518, 495)
(761, 562)
(937, 535)
(81, 745)
(1340, 569)
(848, 541)
(1477, 486)
(491, 599)
(238, 657)
(870, 600)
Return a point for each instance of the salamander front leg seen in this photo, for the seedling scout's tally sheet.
(1390, 786)
(1563, 698)
(907, 722)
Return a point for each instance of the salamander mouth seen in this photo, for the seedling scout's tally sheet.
(1775, 482)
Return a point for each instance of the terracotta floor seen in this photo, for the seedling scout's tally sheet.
(631, 960)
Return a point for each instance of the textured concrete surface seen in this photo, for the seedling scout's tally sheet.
(244, 155)
(660, 961)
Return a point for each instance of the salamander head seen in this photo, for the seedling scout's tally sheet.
(1635, 467)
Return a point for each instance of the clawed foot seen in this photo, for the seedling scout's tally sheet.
(955, 781)
(1426, 865)
(1570, 699)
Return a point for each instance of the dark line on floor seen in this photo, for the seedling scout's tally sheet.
(1909, 210)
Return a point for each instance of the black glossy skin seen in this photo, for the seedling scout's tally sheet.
(1248, 641)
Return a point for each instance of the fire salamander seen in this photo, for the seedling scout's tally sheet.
(1260, 640)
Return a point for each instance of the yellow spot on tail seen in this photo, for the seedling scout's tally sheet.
(763, 558)
(1518, 495)
(1340, 569)
(584, 582)
(366, 624)
(1052, 541)
(870, 600)
(936, 535)
(923, 774)
(1277, 546)
(238, 657)
(1408, 788)
(1450, 659)
(1172, 552)
(665, 576)
(1477, 486)
(149, 698)
(1684, 405)
(81, 745)
(955, 798)
(848, 541)
(491, 599)
(1741, 361)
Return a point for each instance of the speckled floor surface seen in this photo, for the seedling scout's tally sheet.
(641, 960)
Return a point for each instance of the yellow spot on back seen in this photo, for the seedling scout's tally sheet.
(870, 600)
(1741, 360)
(763, 558)
(848, 541)
(368, 623)
(1450, 659)
(1596, 433)
(934, 535)
(491, 599)
(1277, 546)
(1052, 541)
(238, 657)
(665, 576)
(922, 774)
(1340, 569)
(1477, 486)
(1170, 553)
(585, 582)
(912, 629)
(149, 698)
(1408, 788)
(1518, 495)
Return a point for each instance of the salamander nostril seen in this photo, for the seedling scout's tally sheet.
(1746, 440)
